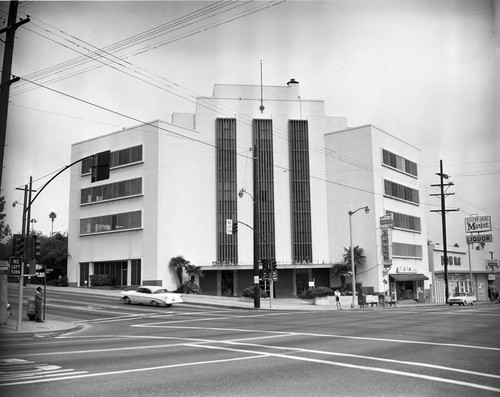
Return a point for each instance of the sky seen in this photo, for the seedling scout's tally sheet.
(424, 71)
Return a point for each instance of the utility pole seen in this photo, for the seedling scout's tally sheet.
(443, 212)
(6, 74)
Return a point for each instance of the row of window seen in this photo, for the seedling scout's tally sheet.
(407, 250)
(109, 223)
(118, 158)
(131, 187)
(403, 221)
(402, 192)
(399, 163)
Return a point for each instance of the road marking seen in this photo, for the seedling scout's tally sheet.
(163, 325)
(19, 371)
(362, 367)
(128, 371)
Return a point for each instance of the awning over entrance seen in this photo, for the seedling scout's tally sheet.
(408, 277)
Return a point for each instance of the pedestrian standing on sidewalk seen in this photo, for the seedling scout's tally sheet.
(38, 305)
(337, 299)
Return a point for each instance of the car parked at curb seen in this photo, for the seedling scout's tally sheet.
(462, 298)
(151, 295)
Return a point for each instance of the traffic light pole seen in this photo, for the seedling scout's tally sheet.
(21, 277)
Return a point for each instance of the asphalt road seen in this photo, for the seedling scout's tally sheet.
(201, 351)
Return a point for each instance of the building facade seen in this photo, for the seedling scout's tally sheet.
(369, 167)
(174, 186)
(467, 271)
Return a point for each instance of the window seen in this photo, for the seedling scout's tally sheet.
(400, 163)
(131, 187)
(300, 192)
(401, 192)
(404, 221)
(109, 223)
(120, 157)
(227, 193)
(407, 250)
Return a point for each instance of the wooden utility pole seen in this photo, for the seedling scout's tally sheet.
(443, 212)
(6, 75)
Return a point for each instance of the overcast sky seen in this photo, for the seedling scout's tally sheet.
(425, 71)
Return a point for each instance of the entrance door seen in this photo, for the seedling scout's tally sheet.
(84, 274)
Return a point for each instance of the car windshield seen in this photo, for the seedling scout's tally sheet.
(460, 294)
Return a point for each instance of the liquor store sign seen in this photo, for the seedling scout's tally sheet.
(476, 224)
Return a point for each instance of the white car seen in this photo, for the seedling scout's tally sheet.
(462, 298)
(151, 295)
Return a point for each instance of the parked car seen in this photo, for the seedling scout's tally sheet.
(151, 295)
(462, 298)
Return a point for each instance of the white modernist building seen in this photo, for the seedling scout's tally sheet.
(173, 186)
(369, 167)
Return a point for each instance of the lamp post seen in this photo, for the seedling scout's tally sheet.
(256, 290)
(351, 213)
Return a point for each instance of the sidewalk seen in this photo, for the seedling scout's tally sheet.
(56, 324)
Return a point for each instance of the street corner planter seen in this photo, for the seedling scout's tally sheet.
(324, 300)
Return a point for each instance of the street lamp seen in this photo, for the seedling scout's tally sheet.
(351, 213)
(256, 288)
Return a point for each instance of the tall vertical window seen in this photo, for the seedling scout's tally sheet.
(400, 163)
(227, 193)
(264, 172)
(300, 194)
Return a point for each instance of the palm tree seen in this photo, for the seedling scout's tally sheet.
(179, 264)
(193, 271)
(359, 258)
(52, 216)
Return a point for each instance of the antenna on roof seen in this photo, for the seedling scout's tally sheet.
(261, 107)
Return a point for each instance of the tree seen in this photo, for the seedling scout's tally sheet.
(4, 228)
(194, 271)
(52, 216)
(179, 264)
(54, 254)
(359, 260)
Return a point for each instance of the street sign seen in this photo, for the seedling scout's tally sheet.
(15, 266)
(229, 226)
(386, 222)
(479, 238)
(478, 224)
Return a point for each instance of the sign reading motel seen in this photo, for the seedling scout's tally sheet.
(478, 224)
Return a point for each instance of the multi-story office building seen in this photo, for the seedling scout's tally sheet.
(173, 186)
(369, 167)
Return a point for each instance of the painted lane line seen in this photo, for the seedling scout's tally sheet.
(128, 371)
(454, 345)
(361, 367)
(387, 360)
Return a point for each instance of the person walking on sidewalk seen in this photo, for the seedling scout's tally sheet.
(337, 299)
(38, 305)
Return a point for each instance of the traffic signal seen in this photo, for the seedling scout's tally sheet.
(273, 265)
(235, 227)
(100, 166)
(265, 264)
(37, 247)
(18, 245)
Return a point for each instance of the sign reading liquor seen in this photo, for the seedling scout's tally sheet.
(479, 238)
(478, 224)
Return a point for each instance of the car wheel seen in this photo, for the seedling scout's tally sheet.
(462, 304)
(155, 303)
(127, 300)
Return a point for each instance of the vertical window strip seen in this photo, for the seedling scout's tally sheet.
(300, 191)
(263, 139)
(226, 196)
